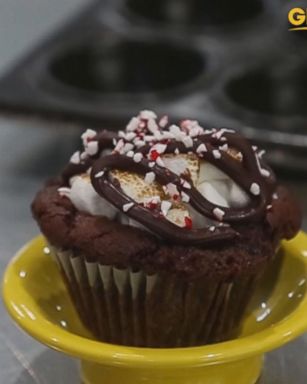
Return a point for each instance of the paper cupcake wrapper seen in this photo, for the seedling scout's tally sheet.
(125, 307)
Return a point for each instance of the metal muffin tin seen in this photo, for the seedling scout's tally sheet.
(224, 63)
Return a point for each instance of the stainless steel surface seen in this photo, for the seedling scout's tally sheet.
(27, 155)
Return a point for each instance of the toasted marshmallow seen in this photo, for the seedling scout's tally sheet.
(181, 164)
(85, 199)
(135, 186)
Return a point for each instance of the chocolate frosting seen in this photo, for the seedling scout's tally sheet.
(218, 147)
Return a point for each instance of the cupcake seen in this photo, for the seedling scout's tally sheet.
(162, 231)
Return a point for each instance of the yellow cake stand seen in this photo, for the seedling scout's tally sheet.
(37, 300)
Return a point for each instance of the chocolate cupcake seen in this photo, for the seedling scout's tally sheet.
(161, 231)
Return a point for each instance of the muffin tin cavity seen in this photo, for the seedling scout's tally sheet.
(279, 90)
(198, 13)
(127, 67)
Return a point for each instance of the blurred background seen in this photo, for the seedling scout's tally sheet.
(67, 65)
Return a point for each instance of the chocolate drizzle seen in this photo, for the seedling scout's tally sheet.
(247, 173)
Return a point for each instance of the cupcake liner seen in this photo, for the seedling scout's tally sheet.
(128, 307)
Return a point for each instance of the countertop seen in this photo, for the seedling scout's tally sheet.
(30, 150)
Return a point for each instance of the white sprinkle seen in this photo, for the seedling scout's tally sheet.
(64, 191)
(254, 147)
(127, 206)
(176, 151)
(130, 154)
(265, 172)
(88, 134)
(58, 308)
(128, 147)
(133, 124)
(163, 121)
(130, 136)
(146, 114)
(63, 323)
(187, 141)
(268, 207)
(83, 156)
(152, 126)
(151, 164)
(137, 157)
(149, 138)
(22, 274)
(139, 143)
(160, 148)
(185, 184)
(223, 147)
(46, 251)
(165, 207)
(212, 228)
(201, 148)
(255, 189)
(114, 141)
(149, 177)
(121, 134)
(75, 158)
(216, 154)
(119, 146)
(171, 189)
(185, 197)
(218, 213)
(275, 196)
(99, 174)
(167, 135)
(175, 130)
(91, 148)
(160, 162)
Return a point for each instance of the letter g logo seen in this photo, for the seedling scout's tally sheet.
(297, 16)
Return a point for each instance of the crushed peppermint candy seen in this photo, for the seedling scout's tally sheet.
(75, 158)
(171, 189)
(275, 196)
(224, 147)
(130, 154)
(91, 148)
(165, 207)
(185, 184)
(149, 177)
(160, 162)
(201, 148)
(176, 151)
(269, 207)
(99, 174)
(133, 124)
(221, 132)
(212, 228)
(160, 148)
(147, 115)
(88, 135)
(265, 172)
(151, 164)
(188, 223)
(137, 157)
(216, 154)
(255, 189)
(187, 141)
(127, 206)
(218, 213)
(64, 191)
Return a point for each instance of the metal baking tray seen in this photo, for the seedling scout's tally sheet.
(224, 63)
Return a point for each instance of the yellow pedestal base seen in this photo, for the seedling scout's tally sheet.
(245, 371)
